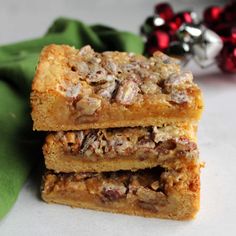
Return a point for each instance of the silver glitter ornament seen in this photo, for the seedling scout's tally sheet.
(189, 33)
(207, 47)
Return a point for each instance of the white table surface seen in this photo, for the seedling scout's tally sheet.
(217, 135)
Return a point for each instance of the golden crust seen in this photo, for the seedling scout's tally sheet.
(54, 110)
(178, 199)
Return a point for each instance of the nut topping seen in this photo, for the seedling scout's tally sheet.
(87, 52)
(97, 74)
(179, 97)
(149, 87)
(178, 80)
(88, 105)
(106, 90)
(127, 93)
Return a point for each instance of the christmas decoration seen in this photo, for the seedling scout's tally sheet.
(183, 35)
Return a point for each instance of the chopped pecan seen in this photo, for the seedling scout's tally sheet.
(178, 80)
(127, 92)
(97, 74)
(106, 90)
(179, 97)
(88, 105)
(150, 196)
(165, 146)
(86, 52)
(72, 141)
(155, 185)
(146, 143)
(161, 134)
(121, 145)
(82, 68)
(150, 87)
(110, 66)
(113, 192)
(88, 140)
(186, 144)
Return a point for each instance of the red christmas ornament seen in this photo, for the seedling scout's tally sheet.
(165, 11)
(180, 18)
(233, 35)
(227, 58)
(227, 32)
(229, 14)
(158, 40)
(212, 15)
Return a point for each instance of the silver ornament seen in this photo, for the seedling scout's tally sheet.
(207, 48)
(189, 33)
(158, 21)
(194, 17)
(180, 50)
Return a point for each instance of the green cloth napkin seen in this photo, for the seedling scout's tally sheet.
(19, 146)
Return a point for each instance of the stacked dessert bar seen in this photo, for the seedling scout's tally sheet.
(122, 132)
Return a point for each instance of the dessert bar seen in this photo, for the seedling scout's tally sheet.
(119, 148)
(82, 89)
(158, 192)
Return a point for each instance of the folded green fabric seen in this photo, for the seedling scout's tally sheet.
(19, 146)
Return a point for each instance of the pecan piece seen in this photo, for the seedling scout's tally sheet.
(88, 105)
(127, 93)
(121, 145)
(146, 143)
(186, 144)
(88, 140)
(82, 68)
(150, 196)
(86, 52)
(150, 87)
(106, 90)
(179, 97)
(182, 80)
(97, 74)
(113, 192)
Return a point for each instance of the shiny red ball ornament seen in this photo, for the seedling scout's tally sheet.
(165, 11)
(229, 14)
(212, 15)
(233, 35)
(158, 41)
(227, 32)
(227, 58)
(180, 18)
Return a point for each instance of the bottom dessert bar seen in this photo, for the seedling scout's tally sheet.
(158, 192)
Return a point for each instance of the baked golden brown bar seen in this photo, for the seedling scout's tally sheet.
(81, 89)
(158, 192)
(119, 148)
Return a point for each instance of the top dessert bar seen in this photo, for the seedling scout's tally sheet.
(82, 89)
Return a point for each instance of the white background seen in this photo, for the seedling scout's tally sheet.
(217, 133)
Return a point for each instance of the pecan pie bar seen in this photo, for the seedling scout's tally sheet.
(119, 148)
(82, 89)
(158, 192)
